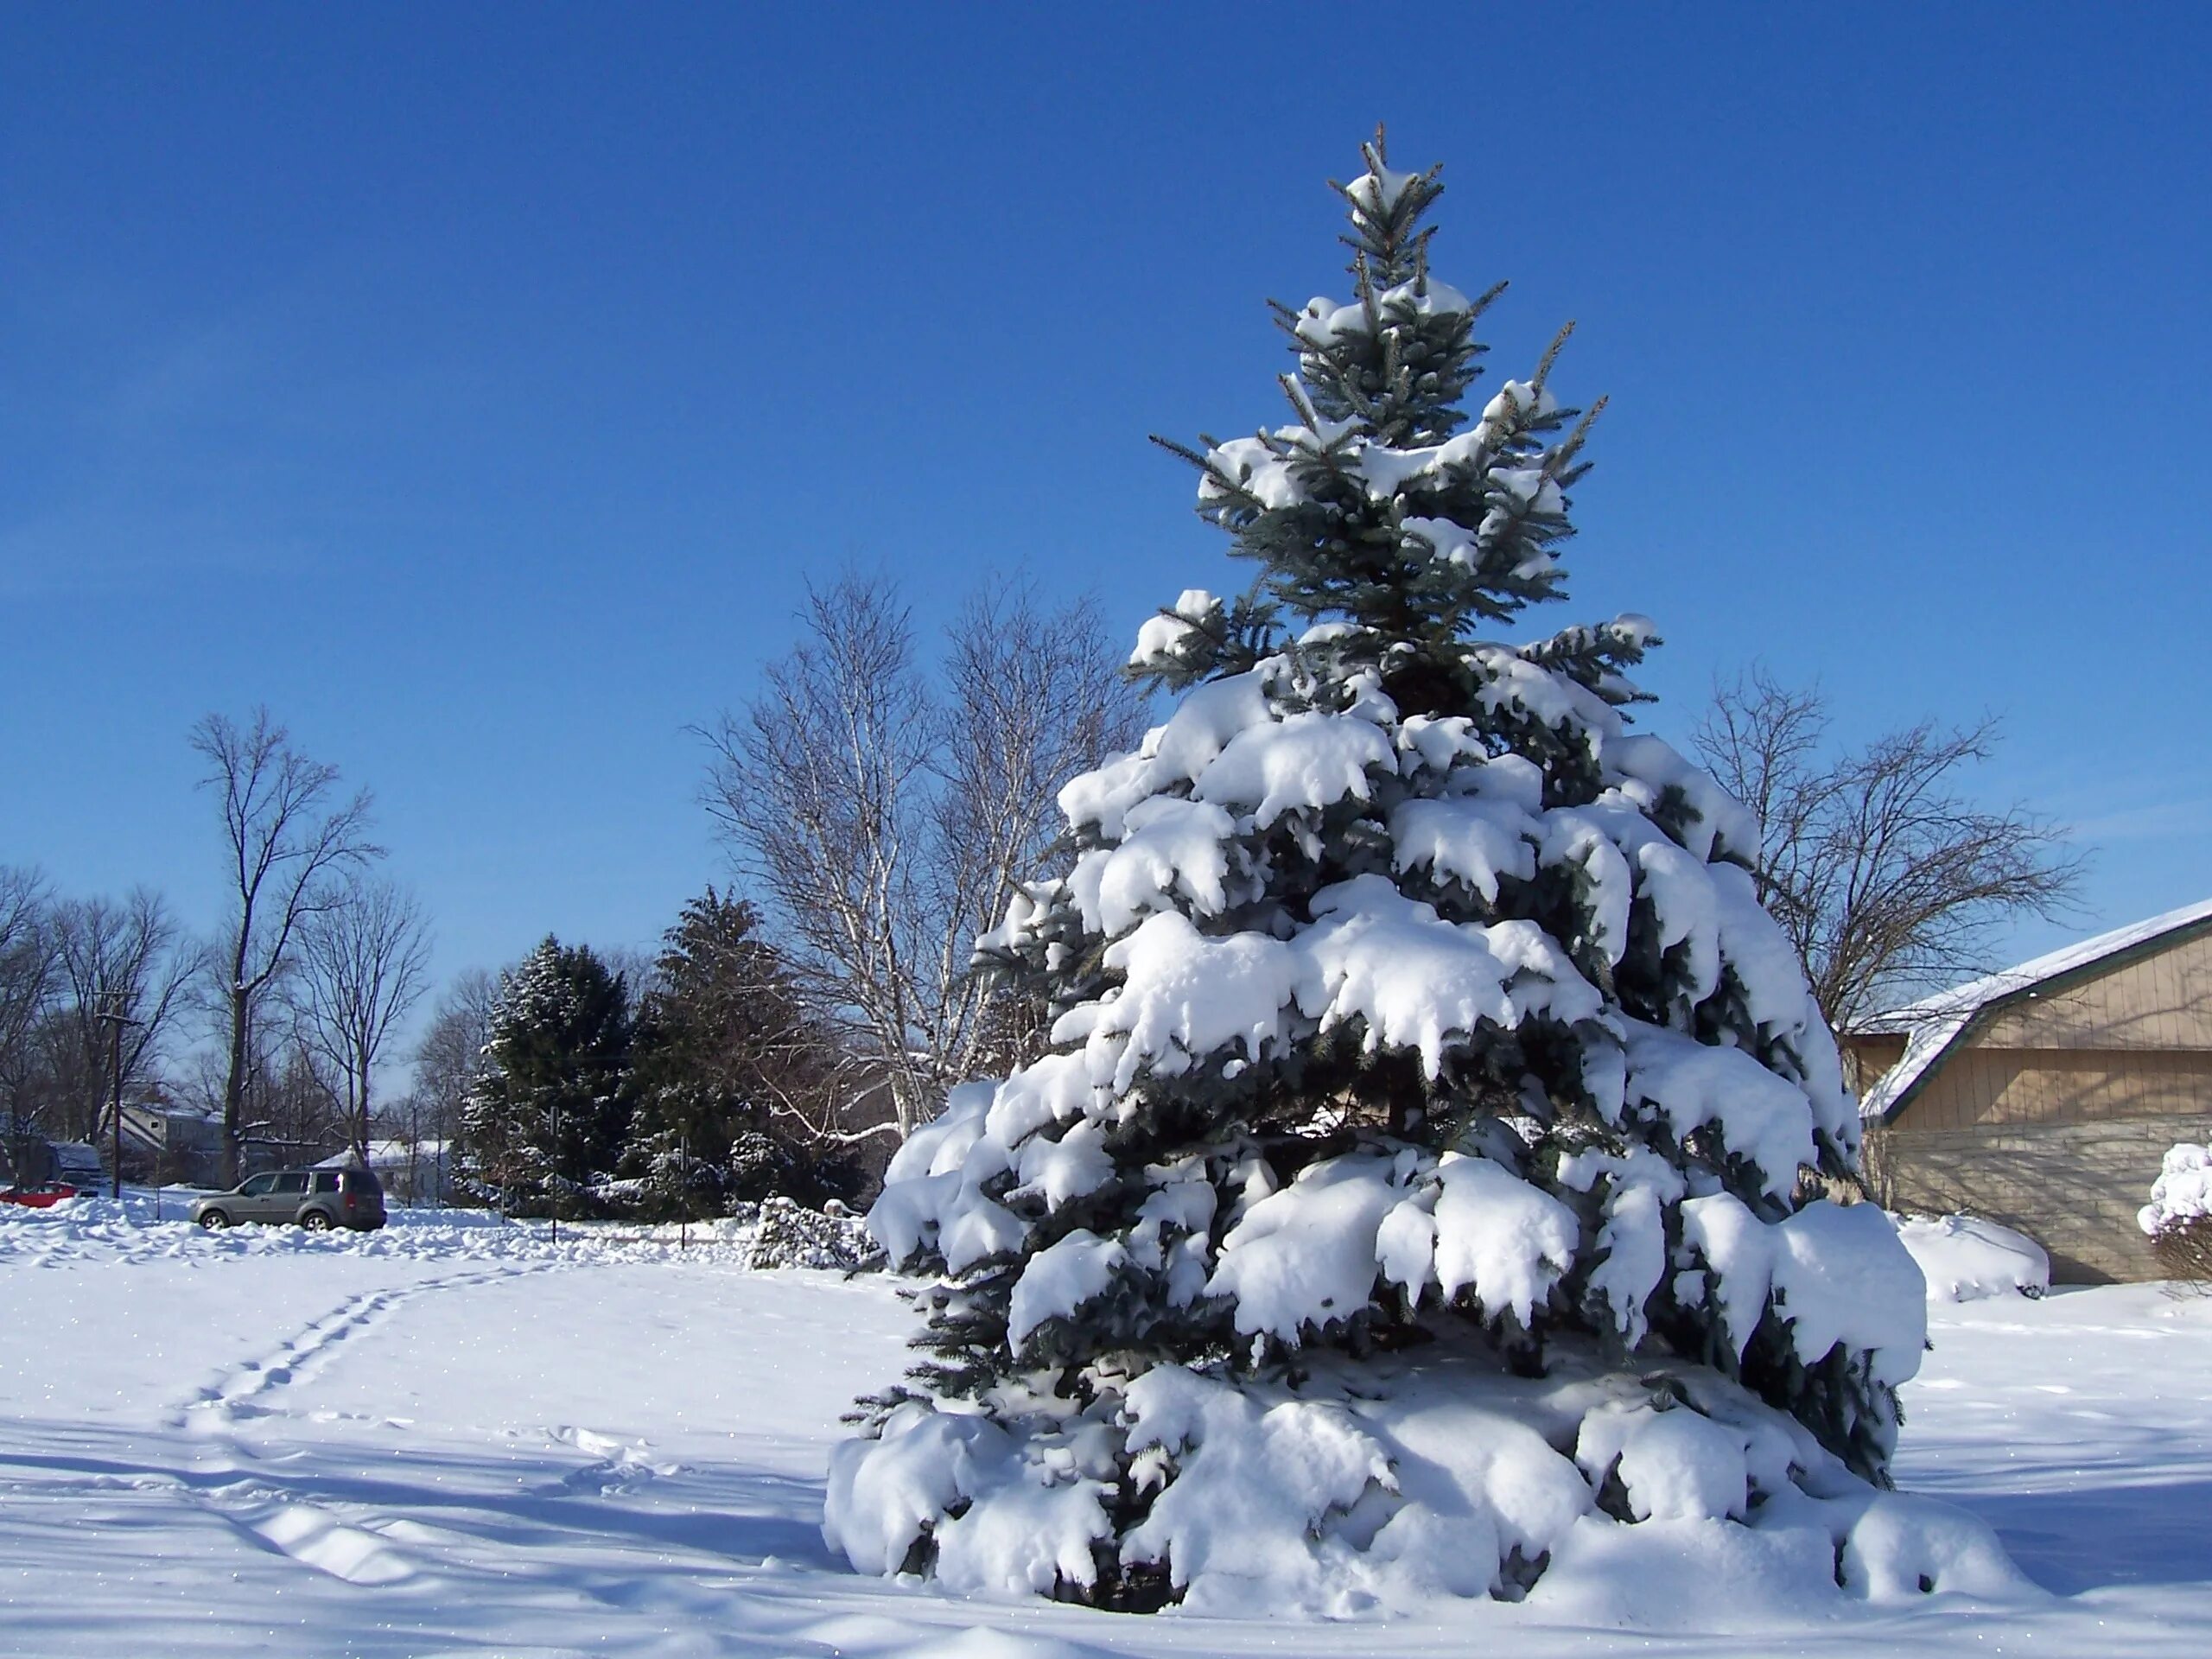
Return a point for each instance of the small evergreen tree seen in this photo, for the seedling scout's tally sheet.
(1423, 1179)
(545, 1118)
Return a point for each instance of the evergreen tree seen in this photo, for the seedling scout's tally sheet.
(723, 1040)
(545, 1118)
(1424, 1178)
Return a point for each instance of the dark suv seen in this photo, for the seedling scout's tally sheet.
(318, 1200)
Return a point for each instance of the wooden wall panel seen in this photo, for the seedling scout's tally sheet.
(2163, 1001)
(1980, 1086)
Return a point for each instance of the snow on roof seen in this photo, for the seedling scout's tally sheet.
(1934, 1023)
(383, 1152)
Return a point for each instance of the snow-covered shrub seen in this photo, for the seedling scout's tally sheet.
(1964, 1257)
(786, 1235)
(2179, 1218)
(1421, 1196)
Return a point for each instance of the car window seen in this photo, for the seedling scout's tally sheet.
(259, 1185)
(292, 1180)
(361, 1181)
(325, 1180)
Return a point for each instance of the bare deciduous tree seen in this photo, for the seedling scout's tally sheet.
(290, 1106)
(289, 848)
(362, 967)
(448, 1058)
(129, 957)
(450, 1055)
(64, 964)
(25, 952)
(887, 820)
(820, 788)
(27, 981)
(1888, 880)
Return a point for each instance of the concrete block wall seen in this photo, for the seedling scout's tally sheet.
(2073, 1187)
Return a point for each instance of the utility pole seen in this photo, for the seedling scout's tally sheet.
(112, 1014)
(553, 1160)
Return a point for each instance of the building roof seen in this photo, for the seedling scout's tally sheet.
(1934, 1025)
(383, 1154)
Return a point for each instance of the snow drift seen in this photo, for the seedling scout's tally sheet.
(1963, 1257)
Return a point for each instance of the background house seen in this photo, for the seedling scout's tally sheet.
(165, 1142)
(2044, 1096)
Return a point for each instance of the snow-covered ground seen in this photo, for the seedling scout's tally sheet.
(455, 1437)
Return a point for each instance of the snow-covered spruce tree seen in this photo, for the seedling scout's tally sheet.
(545, 1115)
(1421, 1195)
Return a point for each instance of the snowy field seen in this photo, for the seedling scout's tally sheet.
(457, 1438)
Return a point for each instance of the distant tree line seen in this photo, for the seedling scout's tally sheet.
(881, 805)
(275, 1027)
(882, 810)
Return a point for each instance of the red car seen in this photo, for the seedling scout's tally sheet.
(39, 1197)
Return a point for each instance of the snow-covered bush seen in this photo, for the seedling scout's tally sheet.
(787, 1235)
(1964, 1257)
(2179, 1218)
(1420, 1197)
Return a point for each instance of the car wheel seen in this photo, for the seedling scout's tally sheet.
(316, 1222)
(213, 1220)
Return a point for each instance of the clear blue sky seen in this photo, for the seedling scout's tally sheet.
(477, 385)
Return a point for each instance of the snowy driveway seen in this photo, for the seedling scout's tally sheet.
(441, 1441)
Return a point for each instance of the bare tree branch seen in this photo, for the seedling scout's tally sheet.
(362, 969)
(1887, 877)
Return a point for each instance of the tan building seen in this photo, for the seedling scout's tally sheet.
(2044, 1096)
